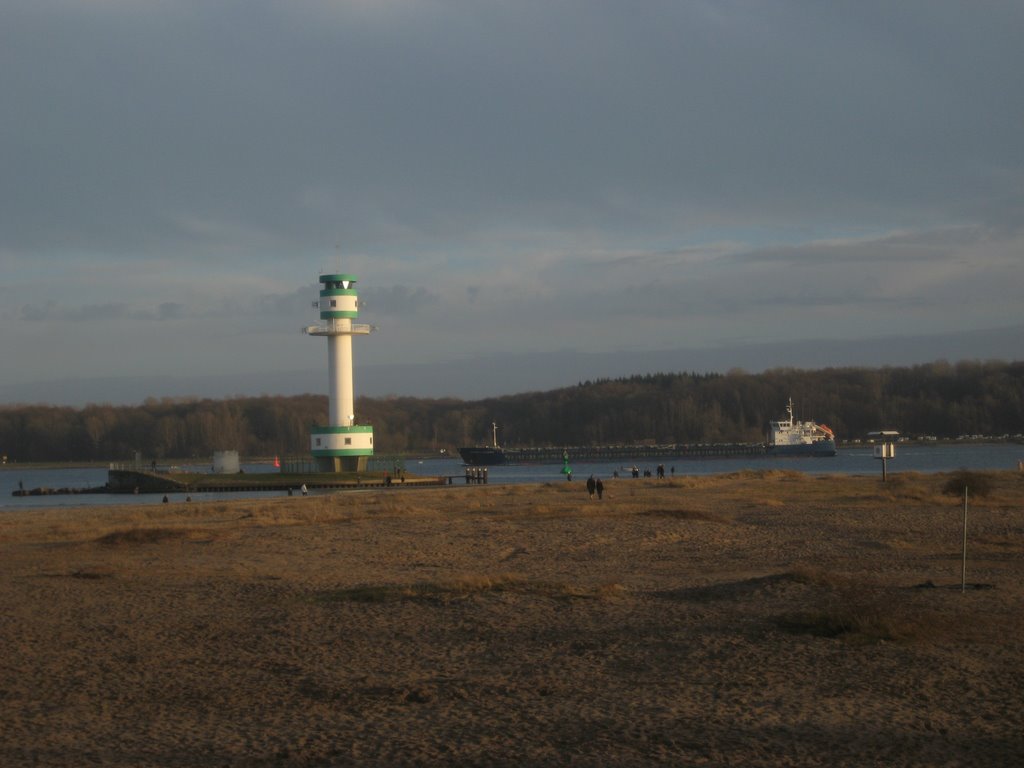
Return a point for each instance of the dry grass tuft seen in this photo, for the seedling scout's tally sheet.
(682, 514)
(692, 482)
(864, 624)
(745, 588)
(910, 487)
(787, 475)
(868, 619)
(86, 574)
(154, 536)
(466, 587)
(817, 577)
(91, 573)
(977, 484)
(865, 613)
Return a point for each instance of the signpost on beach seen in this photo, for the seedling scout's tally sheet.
(885, 449)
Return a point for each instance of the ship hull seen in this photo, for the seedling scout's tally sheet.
(488, 456)
(819, 448)
(482, 456)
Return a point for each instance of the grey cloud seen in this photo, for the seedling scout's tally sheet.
(430, 122)
(94, 312)
(912, 270)
(34, 313)
(90, 313)
(291, 304)
(928, 246)
(170, 310)
(665, 169)
(397, 300)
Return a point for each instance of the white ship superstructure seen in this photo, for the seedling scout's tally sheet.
(801, 438)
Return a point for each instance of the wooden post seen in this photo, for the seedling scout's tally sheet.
(963, 570)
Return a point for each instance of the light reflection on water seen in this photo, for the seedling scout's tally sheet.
(916, 458)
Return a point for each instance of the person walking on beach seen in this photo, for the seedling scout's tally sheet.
(591, 486)
(599, 487)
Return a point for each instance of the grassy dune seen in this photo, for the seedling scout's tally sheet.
(756, 618)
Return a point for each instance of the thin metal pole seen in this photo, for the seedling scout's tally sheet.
(963, 571)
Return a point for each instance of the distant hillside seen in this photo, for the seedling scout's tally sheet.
(506, 374)
(937, 399)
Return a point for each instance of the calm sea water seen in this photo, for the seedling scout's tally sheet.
(855, 461)
(916, 458)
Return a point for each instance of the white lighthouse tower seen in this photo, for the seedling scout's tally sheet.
(341, 446)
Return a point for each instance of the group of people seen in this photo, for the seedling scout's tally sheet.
(594, 485)
(635, 471)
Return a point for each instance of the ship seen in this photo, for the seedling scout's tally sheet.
(485, 455)
(788, 437)
(495, 455)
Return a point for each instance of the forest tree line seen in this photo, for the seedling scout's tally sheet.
(937, 399)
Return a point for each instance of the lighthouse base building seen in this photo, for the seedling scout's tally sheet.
(341, 445)
(341, 449)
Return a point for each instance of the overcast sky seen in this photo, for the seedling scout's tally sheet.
(502, 177)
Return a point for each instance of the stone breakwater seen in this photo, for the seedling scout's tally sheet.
(44, 491)
(142, 482)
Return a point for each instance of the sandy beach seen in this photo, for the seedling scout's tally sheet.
(754, 619)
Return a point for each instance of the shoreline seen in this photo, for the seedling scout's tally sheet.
(453, 454)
